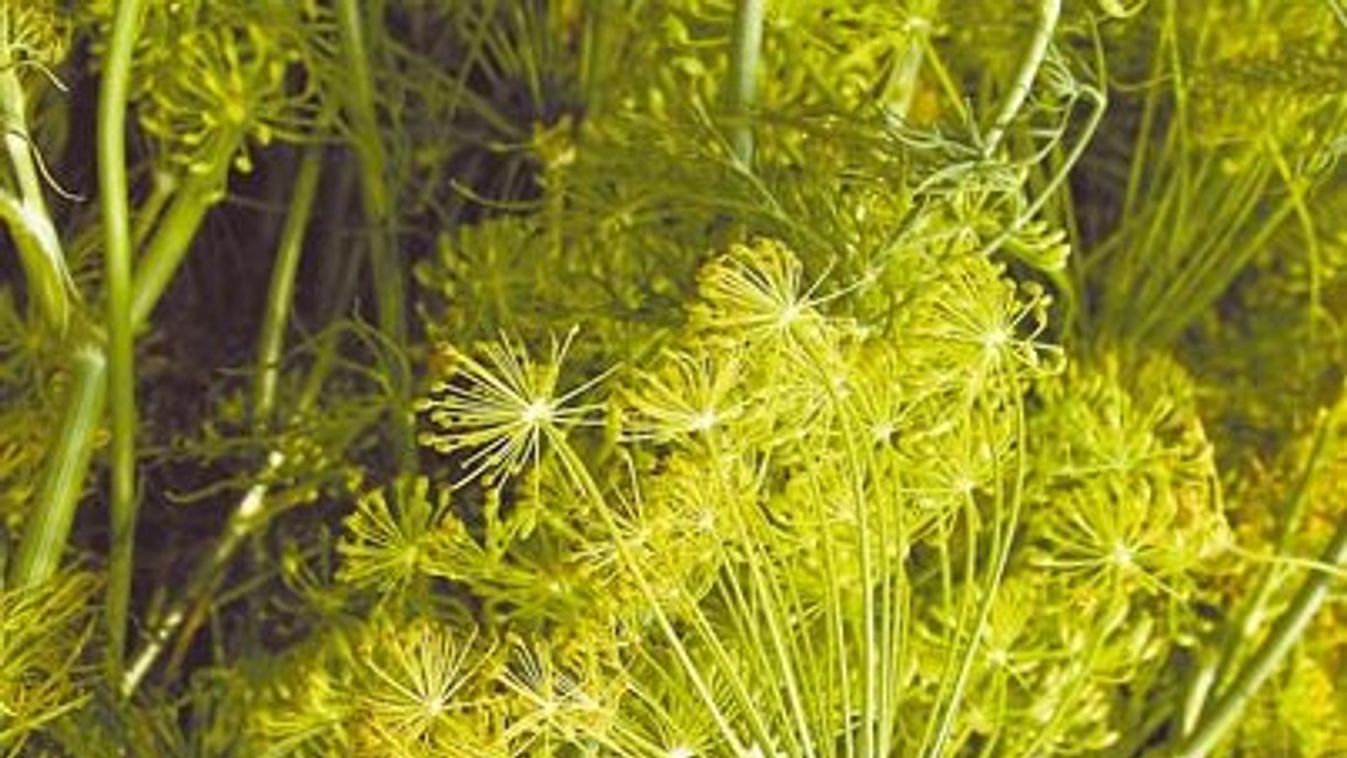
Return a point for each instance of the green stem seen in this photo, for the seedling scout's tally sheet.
(1246, 624)
(247, 517)
(1136, 176)
(745, 50)
(27, 216)
(580, 477)
(162, 188)
(385, 259)
(338, 262)
(1050, 11)
(112, 183)
(62, 484)
(281, 294)
(251, 512)
(16, 143)
(68, 465)
(1284, 635)
(1002, 541)
(174, 235)
(40, 254)
(900, 89)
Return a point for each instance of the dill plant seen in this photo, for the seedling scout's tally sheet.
(679, 378)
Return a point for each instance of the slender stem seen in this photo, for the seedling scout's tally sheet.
(1284, 635)
(338, 261)
(62, 484)
(162, 188)
(1050, 11)
(112, 100)
(999, 559)
(251, 511)
(248, 515)
(1245, 625)
(1136, 176)
(581, 478)
(385, 258)
(281, 294)
(1099, 103)
(1339, 10)
(745, 49)
(373, 164)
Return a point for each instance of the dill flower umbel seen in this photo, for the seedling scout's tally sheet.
(757, 292)
(387, 543)
(419, 685)
(690, 395)
(498, 411)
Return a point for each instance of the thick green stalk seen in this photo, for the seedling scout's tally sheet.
(173, 237)
(62, 484)
(49, 284)
(281, 293)
(385, 259)
(112, 100)
(1284, 635)
(40, 254)
(742, 94)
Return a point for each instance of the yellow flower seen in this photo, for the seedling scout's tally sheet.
(690, 395)
(756, 292)
(498, 411)
(387, 544)
(420, 684)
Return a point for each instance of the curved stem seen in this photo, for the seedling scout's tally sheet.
(1050, 11)
(65, 470)
(40, 254)
(27, 215)
(174, 235)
